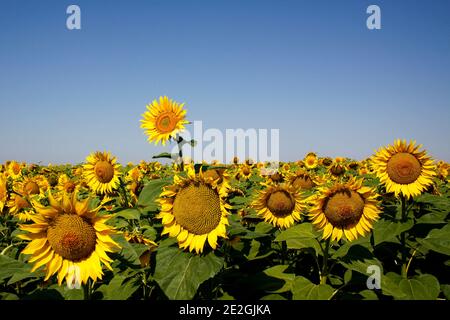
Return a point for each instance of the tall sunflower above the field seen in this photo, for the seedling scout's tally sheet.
(279, 204)
(345, 209)
(101, 172)
(404, 169)
(194, 211)
(163, 120)
(69, 239)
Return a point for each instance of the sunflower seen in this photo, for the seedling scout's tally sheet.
(245, 172)
(404, 169)
(163, 120)
(280, 205)
(194, 211)
(337, 168)
(29, 187)
(101, 172)
(345, 209)
(69, 239)
(311, 161)
(14, 170)
(66, 185)
(17, 203)
(3, 192)
(220, 176)
(302, 180)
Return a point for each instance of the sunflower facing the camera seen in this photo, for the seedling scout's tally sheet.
(345, 209)
(404, 169)
(163, 120)
(69, 239)
(193, 209)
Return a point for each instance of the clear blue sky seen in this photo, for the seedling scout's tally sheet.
(310, 68)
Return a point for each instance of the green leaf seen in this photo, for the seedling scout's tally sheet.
(8, 296)
(300, 236)
(277, 272)
(438, 240)
(359, 258)
(445, 288)
(303, 289)
(151, 192)
(16, 270)
(423, 287)
(263, 227)
(347, 276)
(128, 250)
(179, 274)
(390, 285)
(166, 155)
(129, 214)
(118, 288)
(433, 218)
(369, 295)
(387, 231)
(273, 297)
(68, 294)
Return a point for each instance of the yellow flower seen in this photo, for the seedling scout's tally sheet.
(194, 211)
(302, 180)
(163, 120)
(245, 172)
(14, 170)
(280, 205)
(3, 192)
(69, 239)
(345, 209)
(17, 203)
(29, 187)
(403, 169)
(101, 172)
(66, 185)
(311, 161)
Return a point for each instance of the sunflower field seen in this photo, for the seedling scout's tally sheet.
(318, 228)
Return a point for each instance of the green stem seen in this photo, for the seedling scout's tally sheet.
(124, 193)
(324, 273)
(180, 152)
(403, 236)
(87, 290)
(283, 252)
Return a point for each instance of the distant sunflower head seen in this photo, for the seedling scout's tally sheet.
(217, 175)
(326, 161)
(245, 172)
(101, 172)
(66, 185)
(15, 170)
(163, 120)
(311, 161)
(345, 209)
(404, 169)
(17, 203)
(69, 239)
(337, 168)
(280, 204)
(29, 186)
(194, 211)
(302, 180)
